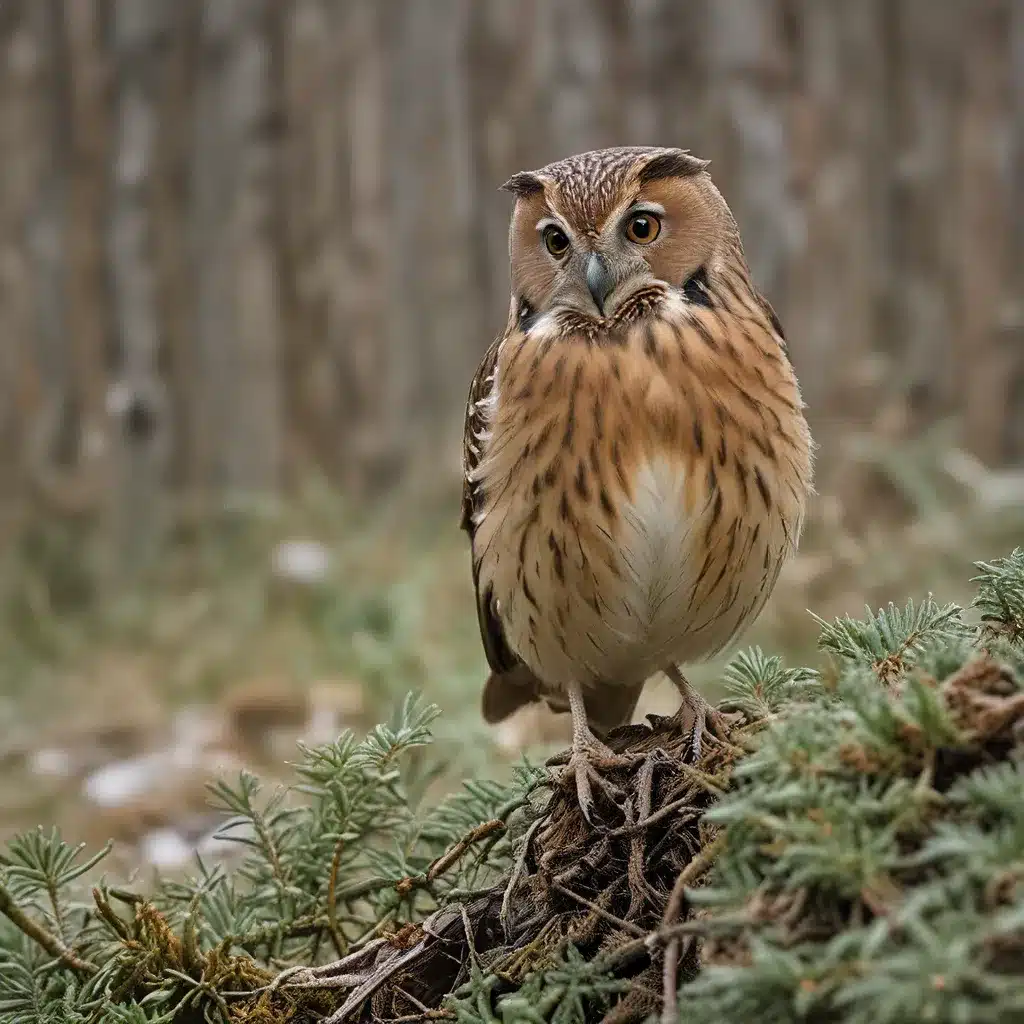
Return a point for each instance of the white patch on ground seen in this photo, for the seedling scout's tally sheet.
(116, 784)
(164, 848)
(301, 561)
(51, 761)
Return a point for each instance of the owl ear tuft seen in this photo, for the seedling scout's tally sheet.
(523, 184)
(672, 163)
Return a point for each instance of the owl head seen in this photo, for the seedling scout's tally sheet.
(591, 232)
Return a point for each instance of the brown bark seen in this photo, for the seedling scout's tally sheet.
(171, 201)
(748, 67)
(1012, 320)
(51, 445)
(838, 154)
(371, 387)
(237, 329)
(20, 91)
(987, 359)
(86, 219)
(279, 220)
(138, 403)
(926, 82)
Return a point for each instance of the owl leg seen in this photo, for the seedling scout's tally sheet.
(588, 754)
(695, 715)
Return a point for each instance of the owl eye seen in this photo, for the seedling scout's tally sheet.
(556, 241)
(643, 228)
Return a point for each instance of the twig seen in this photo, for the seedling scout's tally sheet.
(702, 779)
(614, 959)
(600, 911)
(470, 943)
(444, 862)
(358, 890)
(270, 848)
(701, 863)
(517, 872)
(337, 935)
(449, 857)
(428, 1014)
(412, 999)
(641, 891)
(670, 978)
(591, 862)
(106, 911)
(658, 815)
(40, 936)
(58, 917)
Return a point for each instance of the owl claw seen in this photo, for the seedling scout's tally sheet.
(698, 720)
(587, 757)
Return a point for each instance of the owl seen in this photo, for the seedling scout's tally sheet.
(637, 461)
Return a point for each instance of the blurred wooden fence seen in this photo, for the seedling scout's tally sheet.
(243, 238)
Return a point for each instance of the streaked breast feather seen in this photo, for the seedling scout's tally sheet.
(655, 539)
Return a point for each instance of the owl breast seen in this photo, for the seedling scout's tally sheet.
(638, 511)
(678, 580)
(656, 556)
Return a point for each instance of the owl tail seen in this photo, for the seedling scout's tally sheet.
(506, 692)
(608, 706)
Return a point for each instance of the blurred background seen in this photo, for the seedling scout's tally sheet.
(251, 251)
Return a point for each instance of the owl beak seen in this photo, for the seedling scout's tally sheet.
(599, 280)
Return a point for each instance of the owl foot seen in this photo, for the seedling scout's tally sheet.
(696, 717)
(589, 755)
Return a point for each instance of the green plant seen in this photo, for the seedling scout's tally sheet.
(853, 854)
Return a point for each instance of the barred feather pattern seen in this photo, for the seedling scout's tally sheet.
(632, 492)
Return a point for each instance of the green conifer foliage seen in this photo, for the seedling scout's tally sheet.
(854, 853)
(873, 869)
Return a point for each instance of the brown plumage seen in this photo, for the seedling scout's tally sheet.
(637, 460)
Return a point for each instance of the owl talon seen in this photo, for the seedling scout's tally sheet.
(700, 725)
(697, 718)
(707, 724)
(582, 769)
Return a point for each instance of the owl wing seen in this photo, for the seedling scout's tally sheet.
(473, 434)
(499, 656)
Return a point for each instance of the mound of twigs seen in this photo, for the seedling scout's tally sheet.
(612, 890)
